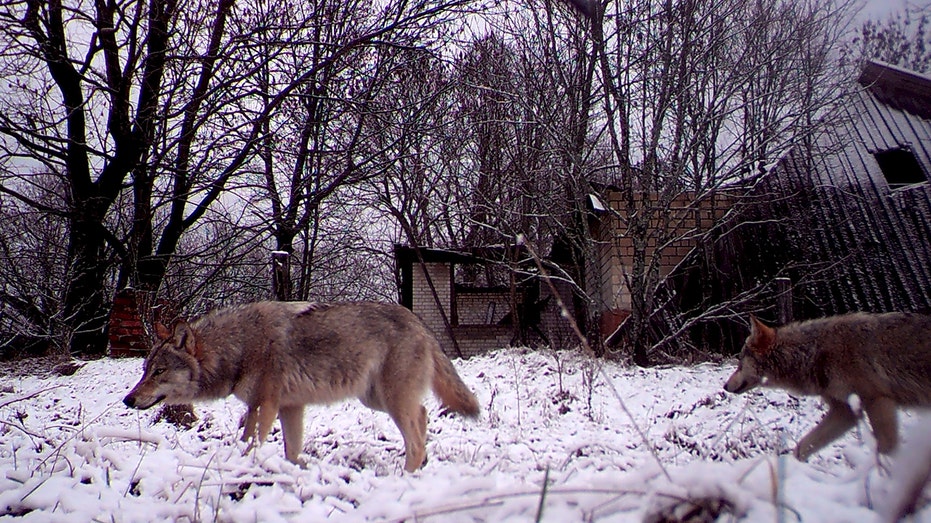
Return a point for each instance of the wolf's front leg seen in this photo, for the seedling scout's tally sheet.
(268, 411)
(258, 423)
(247, 423)
(839, 419)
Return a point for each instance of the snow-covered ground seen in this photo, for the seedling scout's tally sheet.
(71, 451)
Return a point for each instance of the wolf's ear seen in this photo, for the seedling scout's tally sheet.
(161, 331)
(184, 338)
(761, 338)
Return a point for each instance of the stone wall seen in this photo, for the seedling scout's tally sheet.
(668, 241)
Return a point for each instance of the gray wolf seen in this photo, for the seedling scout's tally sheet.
(279, 356)
(885, 359)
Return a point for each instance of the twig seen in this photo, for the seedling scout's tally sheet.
(499, 499)
(22, 397)
(197, 490)
(132, 476)
(22, 428)
(67, 440)
(546, 482)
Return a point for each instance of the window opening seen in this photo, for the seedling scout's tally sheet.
(900, 167)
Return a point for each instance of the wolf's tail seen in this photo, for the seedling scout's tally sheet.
(449, 387)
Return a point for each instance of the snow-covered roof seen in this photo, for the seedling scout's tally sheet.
(897, 87)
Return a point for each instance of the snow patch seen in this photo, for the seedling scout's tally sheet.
(70, 451)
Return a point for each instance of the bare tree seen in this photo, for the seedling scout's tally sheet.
(82, 109)
(32, 273)
(411, 129)
(526, 97)
(902, 38)
(701, 94)
(284, 75)
(163, 102)
(331, 120)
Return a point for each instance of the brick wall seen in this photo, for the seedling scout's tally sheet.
(132, 311)
(472, 334)
(615, 248)
(424, 305)
(128, 336)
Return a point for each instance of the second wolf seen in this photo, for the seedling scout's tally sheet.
(279, 356)
(885, 359)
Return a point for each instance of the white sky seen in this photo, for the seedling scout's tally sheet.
(879, 8)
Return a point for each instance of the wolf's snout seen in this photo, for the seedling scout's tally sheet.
(739, 383)
(143, 401)
(735, 388)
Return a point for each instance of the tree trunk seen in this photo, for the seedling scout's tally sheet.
(281, 275)
(84, 302)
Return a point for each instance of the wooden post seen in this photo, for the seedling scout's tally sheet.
(281, 275)
(784, 300)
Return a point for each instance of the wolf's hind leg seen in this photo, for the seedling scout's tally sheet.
(292, 426)
(412, 421)
(882, 415)
(839, 419)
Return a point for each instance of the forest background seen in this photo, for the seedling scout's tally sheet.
(170, 146)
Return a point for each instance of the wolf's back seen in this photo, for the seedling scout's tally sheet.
(888, 354)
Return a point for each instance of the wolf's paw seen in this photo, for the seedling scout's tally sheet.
(800, 454)
(250, 446)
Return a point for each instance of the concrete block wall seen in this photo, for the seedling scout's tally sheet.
(473, 335)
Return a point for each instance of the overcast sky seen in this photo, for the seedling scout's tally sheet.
(878, 8)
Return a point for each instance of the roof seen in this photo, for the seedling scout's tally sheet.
(898, 88)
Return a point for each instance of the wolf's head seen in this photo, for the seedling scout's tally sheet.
(749, 374)
(170, 371)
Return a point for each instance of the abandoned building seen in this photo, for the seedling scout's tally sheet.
(839, 227)
(470, 297)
